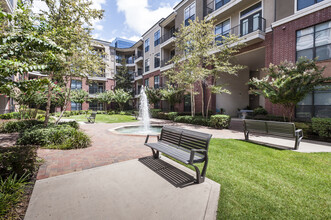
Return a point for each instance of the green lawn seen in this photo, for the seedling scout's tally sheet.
(258, 182)
(105, 118)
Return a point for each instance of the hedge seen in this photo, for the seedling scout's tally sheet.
(220, 121)
(197, 120)
(322, 126)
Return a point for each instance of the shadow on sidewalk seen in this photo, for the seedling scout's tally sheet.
(168, 172)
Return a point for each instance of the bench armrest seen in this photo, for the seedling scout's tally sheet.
(147, 137)
(299, 133)
(193, 153)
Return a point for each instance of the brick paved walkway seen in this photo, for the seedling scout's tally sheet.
(107, 148)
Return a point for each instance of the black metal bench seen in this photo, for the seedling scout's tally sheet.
(184, 145)
(275, 128)
(91, 118)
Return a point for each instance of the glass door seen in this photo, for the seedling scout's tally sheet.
(251, 23)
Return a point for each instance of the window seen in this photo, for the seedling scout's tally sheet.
(147, 45)
(189, 14)
(222, 29)
(146, 65)
(314, 42)
(96, 106)
(156, 82)
(95, 88)
(157, 60)
(220, 3)
(251, 19)
(301, 4)
(76, 106)
(315, 104)
(157, 37)
(146, 83)
(76, 84)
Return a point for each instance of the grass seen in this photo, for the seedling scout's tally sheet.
(101, 118)
(258, 182)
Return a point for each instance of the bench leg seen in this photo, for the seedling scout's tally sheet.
(297, 142)
(156, 154)
(201, 177)
(246, 133)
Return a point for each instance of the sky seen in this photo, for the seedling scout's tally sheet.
(127, 19)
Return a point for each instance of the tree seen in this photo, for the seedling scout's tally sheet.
(106, 97)
(196, 52)
(69, 24)
(121, 97)
(172, 95)
(123, 77)
(79, 96)
(288, 83)
(153, 95)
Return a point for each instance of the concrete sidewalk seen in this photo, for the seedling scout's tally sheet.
(135, 189)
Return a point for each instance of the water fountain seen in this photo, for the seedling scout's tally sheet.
(144, 110)
(144, 117)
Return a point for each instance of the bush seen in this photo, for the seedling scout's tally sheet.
(322, 126)
(172, 115)
(18, 126)
(154, 112)
(220, 121)
(267, 118)
(101, 112)
(111, 112)
(61, 136)
(18, 159)
(12, 115)
(197, 120)
(260, 111)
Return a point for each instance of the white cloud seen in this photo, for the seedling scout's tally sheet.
(139, 16)
(97, 4)
(98, 27)
(133, 38)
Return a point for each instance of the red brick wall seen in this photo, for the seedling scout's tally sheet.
(281, 45)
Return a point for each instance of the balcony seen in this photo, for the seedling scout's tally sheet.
(166, 64)
(95, 91)
(139, 73)
(168, 37)
(128, 61)
(215, 8)
(139, 57)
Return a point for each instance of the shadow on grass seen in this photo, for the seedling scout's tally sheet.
(172, 174)
(270, 145)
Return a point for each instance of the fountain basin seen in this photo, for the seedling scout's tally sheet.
(137, 130)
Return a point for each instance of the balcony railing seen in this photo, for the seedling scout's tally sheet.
(139, 73)
(168, 35)
(165, 62)
(139, 54)
(214, 5)
(127, 60)
(93, 91)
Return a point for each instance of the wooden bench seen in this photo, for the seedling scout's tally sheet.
(187, 146)
(91, 118)
(283, 129)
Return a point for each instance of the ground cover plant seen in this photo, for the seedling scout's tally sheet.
(103, 118)
(258, 182)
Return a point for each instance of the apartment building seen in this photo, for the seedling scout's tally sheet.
(6, 103)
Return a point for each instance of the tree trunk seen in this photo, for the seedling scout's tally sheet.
(209, 99)
(49, 97)
(68, 92)
(192, 102)
(202, 100)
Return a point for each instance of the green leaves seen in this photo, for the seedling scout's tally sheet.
(79, 96)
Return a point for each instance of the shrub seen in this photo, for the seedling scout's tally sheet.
(172, 115)
(61, 137)
(111, 112)
(260, 111)
(162, 115)
(101, 112)
(12, 115)
(322, 126)
(220, 121)
(154, 112)
(73, 124)
(197, 120)
(267, 118)
(11, 191)
(18, 126)
(18, 159)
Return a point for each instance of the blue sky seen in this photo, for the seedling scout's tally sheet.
(127, 19)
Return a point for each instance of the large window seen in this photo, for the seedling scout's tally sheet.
(315, 104)
(251, 19)
(147, 45)
(157, 60)
(222, 29)
(314, 42)
(220, 3)
(189, 14)
(76, 84)
(146, 83)
(146, 65)
(76, 106)
(96, 87)
(301, 4)
(96, 106)
(157, 37)
(156, 82)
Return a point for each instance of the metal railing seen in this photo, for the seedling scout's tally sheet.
(127, 60)
(165, 62)
(139, 73)
(93, 91)
(213, 6)
(139, 54)
(168, 35)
